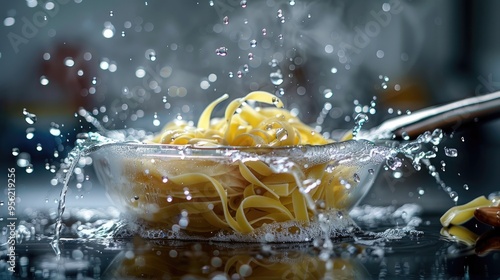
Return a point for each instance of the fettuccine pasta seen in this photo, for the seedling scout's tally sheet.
(205, 196)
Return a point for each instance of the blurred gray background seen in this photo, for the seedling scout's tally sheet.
(129, 61)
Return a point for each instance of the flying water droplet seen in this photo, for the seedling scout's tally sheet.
(280, 16)
(243, 3)
(264, 32)
(225, 20)
(156, 121)
(253, 43)
(44, 81)
(29, 117)
(250, 56)
(276, 77)
(15, 152)
(151, 54)
(222, 51)
(451, 152)
(30, 133)
(54, 129)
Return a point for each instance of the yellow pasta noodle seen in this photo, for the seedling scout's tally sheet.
(205, 196)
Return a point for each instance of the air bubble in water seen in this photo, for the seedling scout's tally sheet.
(222, 51)
(29, 117)
(451, 152)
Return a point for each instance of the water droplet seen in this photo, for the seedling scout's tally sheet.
(250, 56)
(44, 81)
(29, 117)
(356, 178)
(280, 16)
(394, 163)
(239, 74)
(110, 13)
(253, 43)
(54, 129)
(225, 20)
(39, 147)
(292, 2)
(151, 54)
(405, 135)
(29, 169)
(230, 74)
(421, 191)
(30, 133)
(276, 77)
(109, 30)
(15, 152)
(222, 51)
(264, 32)
(451, 152)
(436, 136)
(371, 171)
(466, 187)
(333, 70)
(245, 68)
(243, 3)
(211, 3)
(397, 174)
(454, 196)
(327, 93)
(156, 121)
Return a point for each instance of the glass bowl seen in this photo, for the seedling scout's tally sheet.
(191, 192)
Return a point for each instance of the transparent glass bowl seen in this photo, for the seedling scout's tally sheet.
(206, 191)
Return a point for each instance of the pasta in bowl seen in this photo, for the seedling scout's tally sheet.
(254, 171)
